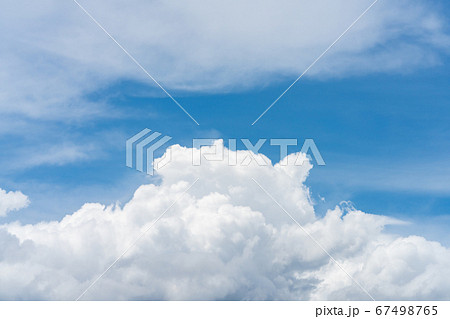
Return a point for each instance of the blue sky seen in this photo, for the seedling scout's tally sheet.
(384, 137)
(376, 105)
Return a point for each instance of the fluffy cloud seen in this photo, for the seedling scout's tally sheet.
(53, 55)
(11, 201)
(223, 239)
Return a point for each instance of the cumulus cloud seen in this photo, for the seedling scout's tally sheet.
(223, 239)
(53, 55)
(12, 201)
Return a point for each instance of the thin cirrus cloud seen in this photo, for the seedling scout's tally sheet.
(53, 55)
(224, 239)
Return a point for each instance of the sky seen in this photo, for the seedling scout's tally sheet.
(376, 106)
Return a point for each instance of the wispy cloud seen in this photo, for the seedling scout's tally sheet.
(52, 58)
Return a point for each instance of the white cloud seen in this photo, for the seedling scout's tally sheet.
(57, 155)
(53, 55)
(12, 201)
(225, 239)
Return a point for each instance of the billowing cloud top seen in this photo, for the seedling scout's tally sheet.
(56, 54)
(223, 239)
